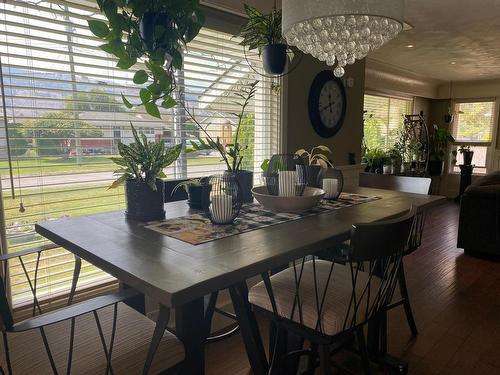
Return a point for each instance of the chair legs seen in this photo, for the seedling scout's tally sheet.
(363, 350)
(406, 301)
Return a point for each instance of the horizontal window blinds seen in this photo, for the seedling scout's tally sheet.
(384, 118)
(65, 118)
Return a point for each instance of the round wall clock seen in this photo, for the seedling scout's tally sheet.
(327, 104)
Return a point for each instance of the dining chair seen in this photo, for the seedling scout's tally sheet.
(405, 184)
(326, 302)
(175, 195)
(101, 335)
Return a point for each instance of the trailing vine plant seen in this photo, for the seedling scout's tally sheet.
(156, 31)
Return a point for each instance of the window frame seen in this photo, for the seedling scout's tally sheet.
(490, 145)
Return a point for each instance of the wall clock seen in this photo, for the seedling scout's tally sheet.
(327, 104)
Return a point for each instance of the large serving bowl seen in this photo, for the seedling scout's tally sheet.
(311, 198)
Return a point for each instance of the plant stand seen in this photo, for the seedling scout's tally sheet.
(465, 178)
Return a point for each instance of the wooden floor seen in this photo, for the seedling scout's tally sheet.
(456, 301)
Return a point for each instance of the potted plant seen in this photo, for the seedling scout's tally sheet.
(263, 33)
(375, 158)
(141, 169)
(439, 140)
(467, 154)
(314, 161)
(396, 157)
(194, 190)
(232, 154)
(387, 163)
(154, 31)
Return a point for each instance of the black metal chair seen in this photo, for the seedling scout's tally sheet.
(416, 185)
(327, 302)
(99, 335)
(176, 195)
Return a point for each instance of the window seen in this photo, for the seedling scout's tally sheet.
(383, 119)
(65, 119)
(473, 125)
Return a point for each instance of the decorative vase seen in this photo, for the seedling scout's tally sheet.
(143, 203)
(286, 175)
(468, 156)
(387, 169)
(274, 58)
(435, 167)
(245, 179)
(331, 180)
(221, 198)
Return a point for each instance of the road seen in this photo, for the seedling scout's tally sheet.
(62, 180)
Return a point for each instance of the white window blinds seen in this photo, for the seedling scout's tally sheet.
(384, 117)
(64, 119)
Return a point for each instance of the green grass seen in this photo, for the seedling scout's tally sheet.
(54, 165)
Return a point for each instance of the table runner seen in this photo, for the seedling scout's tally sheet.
(197, 228)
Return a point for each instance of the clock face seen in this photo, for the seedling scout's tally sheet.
(330, 104)
(327, 104)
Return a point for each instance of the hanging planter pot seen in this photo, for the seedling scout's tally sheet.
(148, 28)
(274, 58)
(448, 118)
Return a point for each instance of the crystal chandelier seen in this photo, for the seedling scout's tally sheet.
(341, 31)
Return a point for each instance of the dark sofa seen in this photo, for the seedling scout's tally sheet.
(479, 225)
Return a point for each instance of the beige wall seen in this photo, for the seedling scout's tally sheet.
(298, 131)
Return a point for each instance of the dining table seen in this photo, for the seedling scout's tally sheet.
(179, 275)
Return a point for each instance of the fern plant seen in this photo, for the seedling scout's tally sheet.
(143, 161)
(316, 156)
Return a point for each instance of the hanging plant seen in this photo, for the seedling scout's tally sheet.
(154, 30)
(262, 32)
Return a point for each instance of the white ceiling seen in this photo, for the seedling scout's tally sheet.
(466, 32)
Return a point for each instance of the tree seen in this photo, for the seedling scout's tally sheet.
(94, 100)
(474, 121)
(373, 136)
(54, 133)
(18, 143)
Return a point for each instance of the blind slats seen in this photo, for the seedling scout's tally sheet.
(66, 118)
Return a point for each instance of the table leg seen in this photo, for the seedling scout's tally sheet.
(189, 328)
(249, 329)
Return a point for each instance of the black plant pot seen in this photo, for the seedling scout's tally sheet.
(147, 28)
(274, 58)
(143, 203)
(195, 196)
(312, 175)
(468, 155)
(448, 118)
(245, 179)
(435, 167)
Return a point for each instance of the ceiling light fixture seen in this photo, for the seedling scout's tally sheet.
(410, 46)
(341, 31)
(453, 63)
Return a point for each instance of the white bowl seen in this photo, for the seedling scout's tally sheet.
(311, 198)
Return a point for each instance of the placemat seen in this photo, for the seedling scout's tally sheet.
(197, 228)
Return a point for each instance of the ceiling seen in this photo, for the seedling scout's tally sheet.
(463, 32)
(466, 32)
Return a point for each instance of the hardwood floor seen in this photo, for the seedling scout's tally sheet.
(456, 302)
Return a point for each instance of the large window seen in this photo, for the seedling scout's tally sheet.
(65, 118)
(473, 126)
(383, 119)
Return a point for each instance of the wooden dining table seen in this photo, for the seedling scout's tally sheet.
(179, 275)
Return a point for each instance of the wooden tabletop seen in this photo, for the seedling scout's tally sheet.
(175, 272)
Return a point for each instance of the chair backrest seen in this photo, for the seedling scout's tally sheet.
(405, 184)
(330, 297)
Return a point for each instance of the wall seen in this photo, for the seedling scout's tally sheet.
(298, 131)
